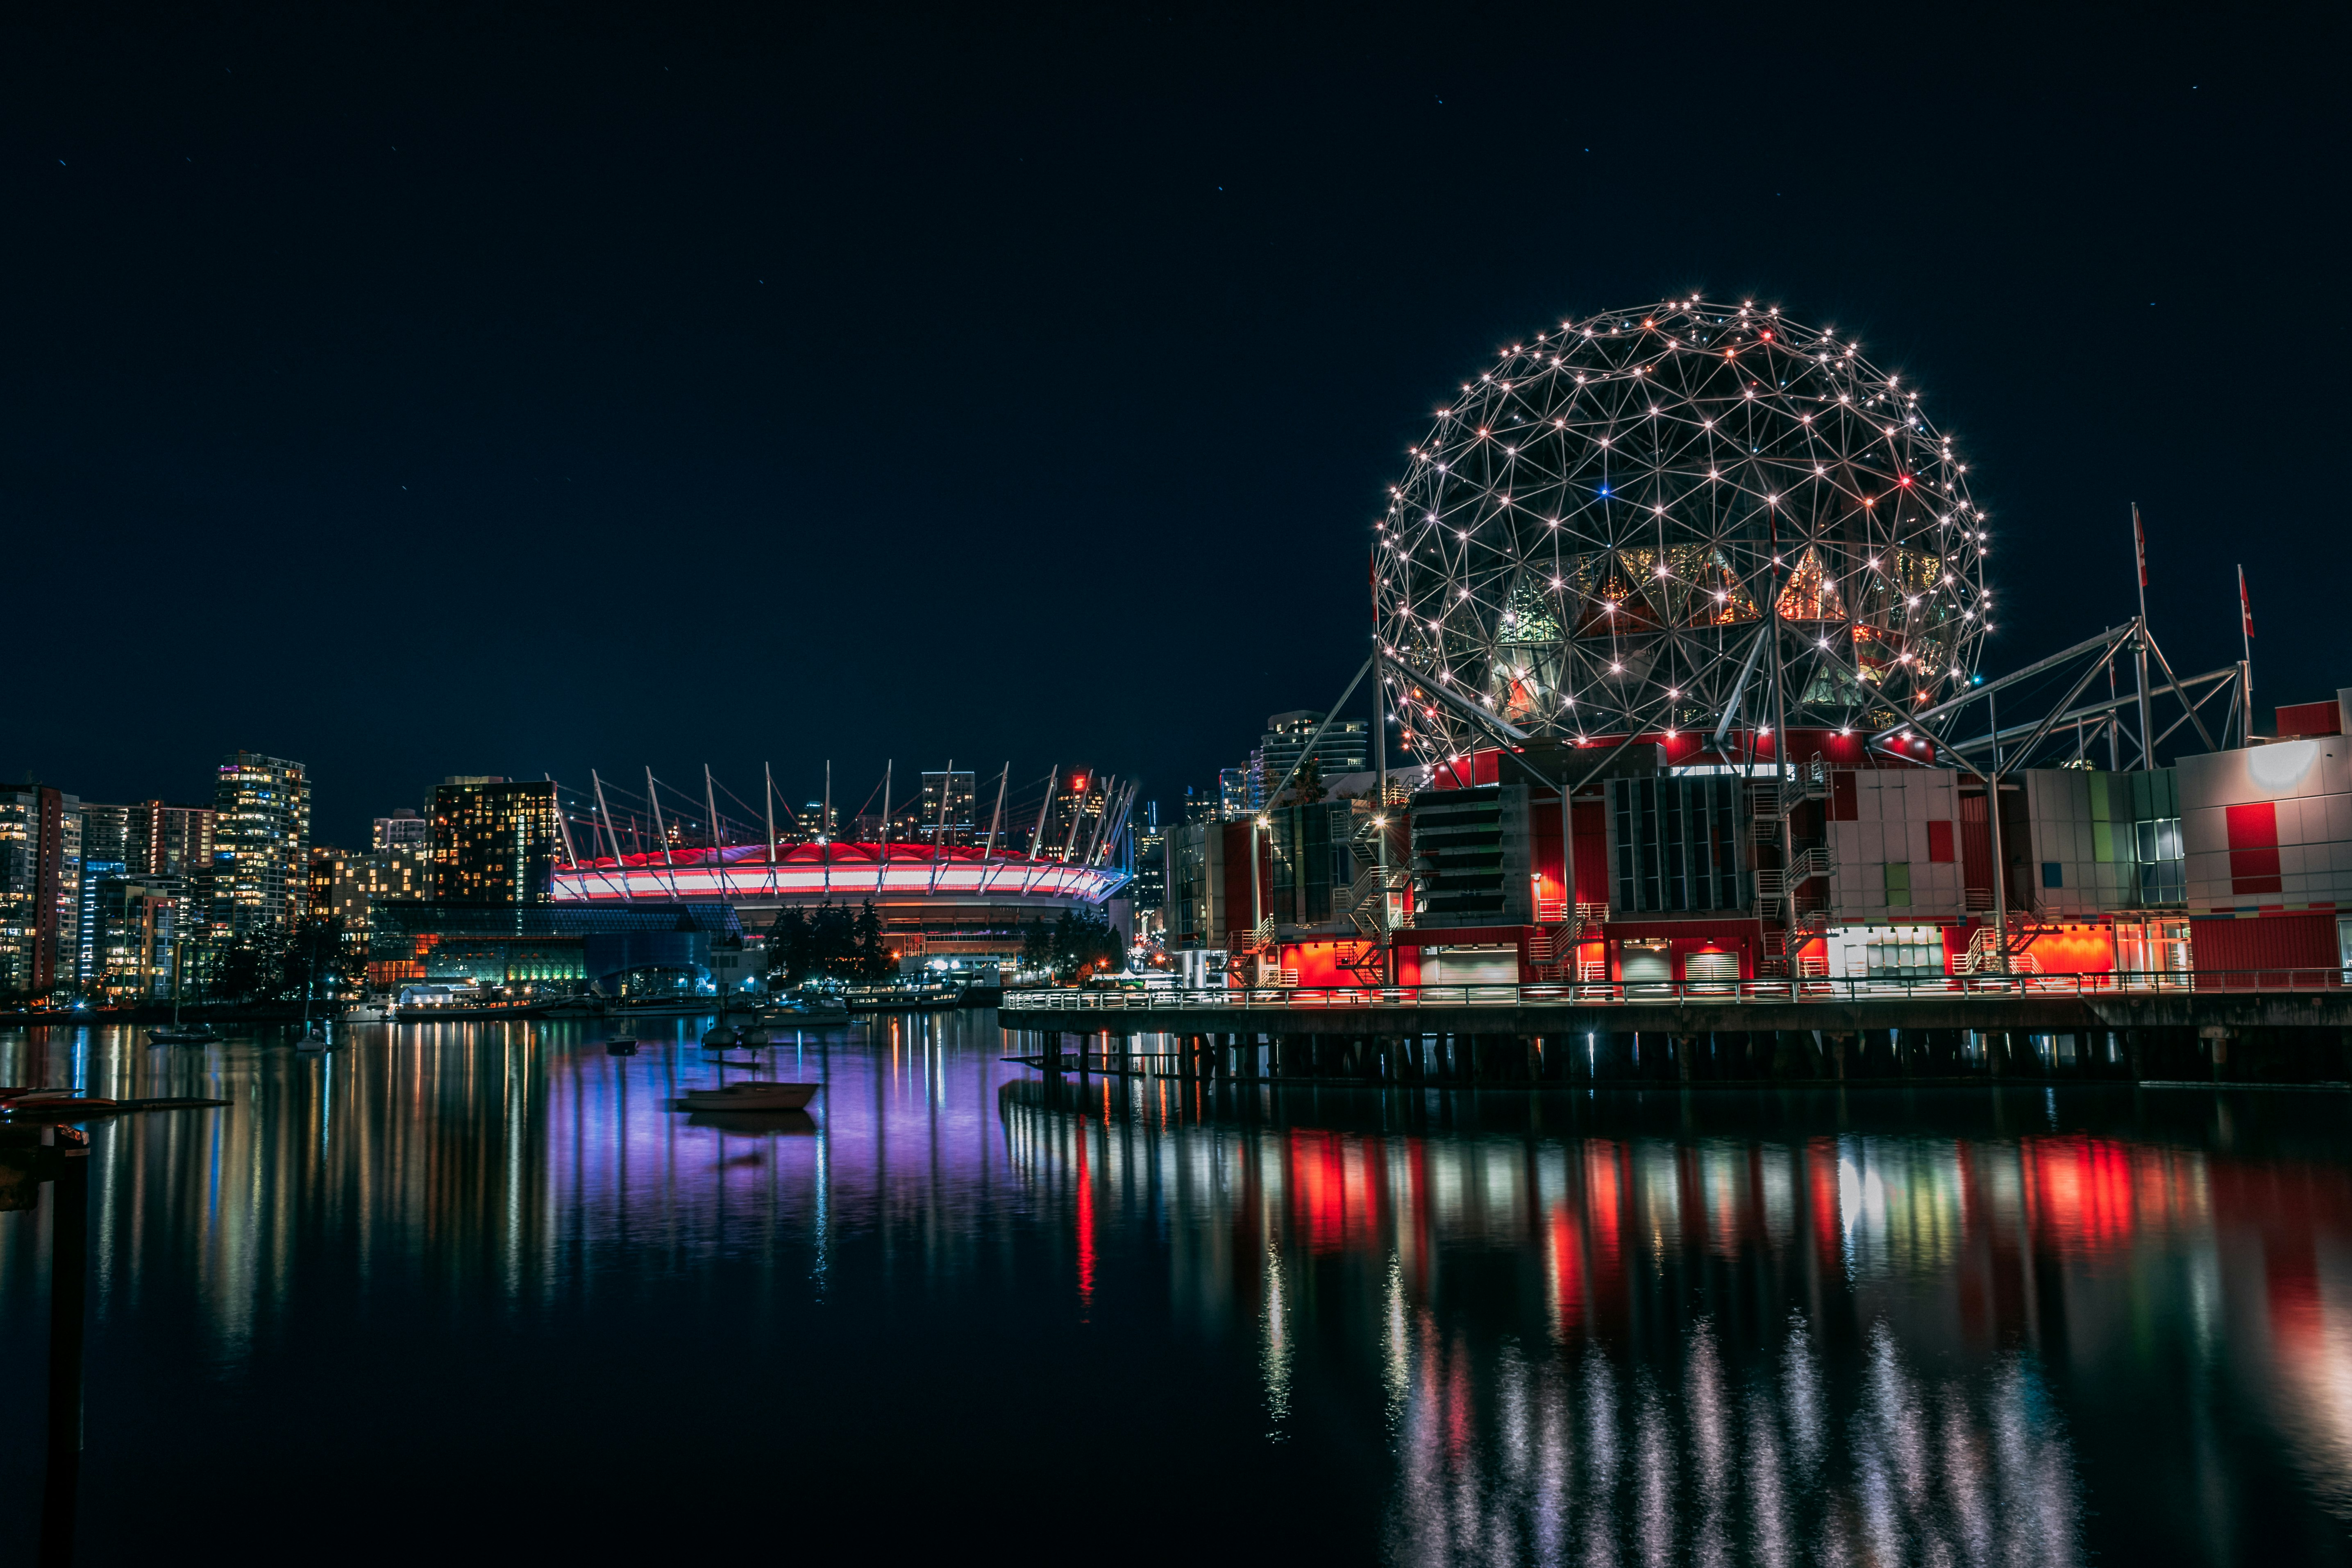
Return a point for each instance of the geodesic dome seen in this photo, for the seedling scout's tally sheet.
(1647, 517)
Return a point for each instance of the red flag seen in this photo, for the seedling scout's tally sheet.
(2245, 606)
(2139, 544)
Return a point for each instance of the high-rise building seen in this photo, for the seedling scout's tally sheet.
(105, 834)
(947, 807)
(1074, 813)
(40, 888)
(94, 872)
(1345, 748)
(1233, 801)
(402, 829)
(494, 842)
(136, 928)
(151, 838)
(261, 845)
(401, 874)
(1149, 890)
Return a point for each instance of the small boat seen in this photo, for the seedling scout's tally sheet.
(758, 1123)
(723, 1037)
(621, 1045)
(755, 1035)
(752, 1094)
(316, 1040)
(180, 1034)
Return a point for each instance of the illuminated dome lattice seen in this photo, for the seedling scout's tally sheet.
(1600, 533)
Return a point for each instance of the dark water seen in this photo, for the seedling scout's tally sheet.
(472, 1292)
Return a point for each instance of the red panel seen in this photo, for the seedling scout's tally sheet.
(2083, 949)
(2310, 718)
(2272, 942)
(1591, 852)
(1975, 843)
(2253, 827)
(1478, 768)
(1939, 841)
(1843, 806)
(2253, 848)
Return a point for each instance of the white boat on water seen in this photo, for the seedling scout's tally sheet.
(753, 1095)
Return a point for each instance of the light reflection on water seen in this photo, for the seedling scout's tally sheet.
(1433, 1329)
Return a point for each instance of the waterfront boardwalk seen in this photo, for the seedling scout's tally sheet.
(2292, 1025)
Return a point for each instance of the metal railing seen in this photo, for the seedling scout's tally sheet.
(1590, 993)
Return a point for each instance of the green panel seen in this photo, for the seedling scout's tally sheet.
(2102, 797)
(1899, 882)
(2103, 839)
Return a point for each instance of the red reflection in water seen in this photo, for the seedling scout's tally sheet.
(1332, 1198)
(1086, 1207)
(2080, 1191)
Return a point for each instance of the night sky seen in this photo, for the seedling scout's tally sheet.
(528, 388)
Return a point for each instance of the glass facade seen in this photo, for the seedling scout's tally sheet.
(41, 889)
(494, 842)
(2163, 866)
(260, 846)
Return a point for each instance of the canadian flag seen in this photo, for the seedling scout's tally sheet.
(2245, 606)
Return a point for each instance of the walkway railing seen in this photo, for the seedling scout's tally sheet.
(1812, 990)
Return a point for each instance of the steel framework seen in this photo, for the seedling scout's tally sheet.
(1688, 514)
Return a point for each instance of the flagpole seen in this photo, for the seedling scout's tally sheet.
(2139, 646)
(2246, 664)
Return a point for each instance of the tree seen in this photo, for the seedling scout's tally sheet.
(873, 959)
(833, 942)
(244, 969)
(790, 947)
(1077, 943)
(1306, 786)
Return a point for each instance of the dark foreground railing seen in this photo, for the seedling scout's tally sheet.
(1937, 989)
